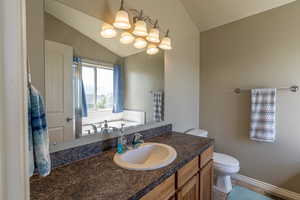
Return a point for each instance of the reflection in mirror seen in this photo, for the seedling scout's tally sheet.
(94, 85)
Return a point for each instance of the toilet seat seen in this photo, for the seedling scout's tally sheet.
(226, 163)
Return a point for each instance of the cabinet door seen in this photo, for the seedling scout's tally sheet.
(172, 198)
(190, 191)
(206, 182)
(163, 191)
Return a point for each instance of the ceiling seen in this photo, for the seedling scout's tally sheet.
(209, 14)
(88, 25)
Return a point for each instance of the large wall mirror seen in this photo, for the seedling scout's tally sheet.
(92, 85)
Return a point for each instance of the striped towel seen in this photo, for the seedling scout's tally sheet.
(39, 156)
(263, 115)
(158, 106)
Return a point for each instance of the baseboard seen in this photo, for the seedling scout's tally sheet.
(271, 189)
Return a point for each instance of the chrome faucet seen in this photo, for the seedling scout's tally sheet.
(105, 128)
(94, 127)
(122, 129)
(137, 140)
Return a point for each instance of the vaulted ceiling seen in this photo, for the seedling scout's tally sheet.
(88, 22)
(208, 14)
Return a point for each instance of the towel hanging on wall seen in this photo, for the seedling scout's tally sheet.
(158, 106)
(263, 114)
(39, 156)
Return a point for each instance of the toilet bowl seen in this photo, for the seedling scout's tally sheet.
(224, 165)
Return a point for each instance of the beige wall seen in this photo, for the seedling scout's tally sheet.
(258, 51)
(99, 9)
(181, 63)
(56, 30)
(2, 172)
(142, 74)
(35, 42)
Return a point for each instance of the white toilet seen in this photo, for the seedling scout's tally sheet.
(224, 165)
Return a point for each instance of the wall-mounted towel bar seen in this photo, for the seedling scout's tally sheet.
(152, 91)
(293, 88)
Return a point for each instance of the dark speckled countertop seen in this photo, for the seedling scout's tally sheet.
(99, 178)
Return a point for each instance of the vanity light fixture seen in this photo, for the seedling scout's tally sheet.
(140, 26)
(122, 18)
(153, 35)
(108, 31)
(140, 43)
(166, 42)
(126, 38)
(140, 30)
(152, 49)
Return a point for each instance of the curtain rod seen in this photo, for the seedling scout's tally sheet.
(293, 88)
(96, 62)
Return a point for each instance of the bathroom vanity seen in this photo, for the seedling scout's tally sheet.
(188, 177)
(194, 181)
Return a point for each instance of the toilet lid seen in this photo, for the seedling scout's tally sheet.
(225, 160)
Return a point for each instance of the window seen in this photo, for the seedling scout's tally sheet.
(98, 84)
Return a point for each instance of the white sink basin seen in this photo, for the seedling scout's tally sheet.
(148, 156)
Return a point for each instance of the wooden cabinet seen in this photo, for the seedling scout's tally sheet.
(164, 191)
(172, 198)
(194, 181)
(190, 191)
(206, 181)
(187, 172)
(206, 156)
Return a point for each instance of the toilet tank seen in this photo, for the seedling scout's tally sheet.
(198, 132)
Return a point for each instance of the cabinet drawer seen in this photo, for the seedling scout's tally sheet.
(163, 191)
(206, 156)
(187, 172)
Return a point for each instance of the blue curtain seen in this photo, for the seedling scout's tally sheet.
(84, 109)
(118, 93)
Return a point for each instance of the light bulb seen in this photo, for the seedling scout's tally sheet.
(165, 44)
(153, 35)
(152, 49)
(108, 31)
(140, 43)
(126, 38)
(140, 29)
(122, 20)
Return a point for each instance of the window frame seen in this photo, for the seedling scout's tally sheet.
(94, 65)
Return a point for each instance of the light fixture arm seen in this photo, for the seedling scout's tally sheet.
(136, 13)
(122, 5)
(167, 33)
(155, 24)
(140, 17)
